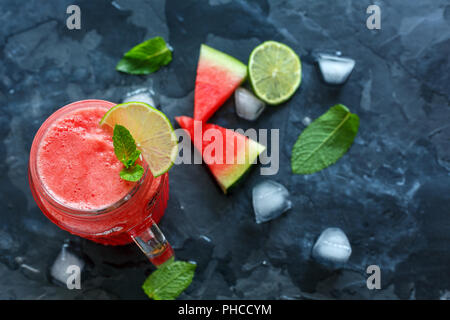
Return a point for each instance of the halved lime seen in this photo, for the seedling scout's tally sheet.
(275, 72)
(151, 130)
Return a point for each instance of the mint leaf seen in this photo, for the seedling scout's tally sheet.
(170, 280)
(133, 157)
(325, 140)
(124, 146)
(126, 152)
(146, 58)
(133, 173)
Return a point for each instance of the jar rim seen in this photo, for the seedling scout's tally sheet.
(44, 192)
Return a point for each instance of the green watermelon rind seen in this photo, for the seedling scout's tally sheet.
(222, 59)
(229, 180)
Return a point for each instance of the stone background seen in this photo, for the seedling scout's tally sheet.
(389, 193)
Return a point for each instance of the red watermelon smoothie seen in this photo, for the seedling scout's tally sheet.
(74, 178)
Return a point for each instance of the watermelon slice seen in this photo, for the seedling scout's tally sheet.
(218, 75)
(236, 147)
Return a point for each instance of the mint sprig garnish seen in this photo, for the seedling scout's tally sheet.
(325, 140)
(145, 58)
(170, 280)
(133, 173)
(126, 152)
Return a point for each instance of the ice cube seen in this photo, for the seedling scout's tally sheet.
(65, 259)
(142, 95)
(335, 69)
(270, 200)
(332, 246)
(445, 295)
(248, 106)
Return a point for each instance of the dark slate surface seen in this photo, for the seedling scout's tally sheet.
(389, 193)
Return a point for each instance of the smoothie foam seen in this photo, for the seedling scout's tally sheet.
(77, 164)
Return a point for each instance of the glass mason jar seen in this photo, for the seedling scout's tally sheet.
(132, 218)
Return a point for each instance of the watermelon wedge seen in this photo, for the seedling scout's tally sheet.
(218, 75)
(236, 147)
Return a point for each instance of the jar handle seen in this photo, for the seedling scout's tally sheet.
(152, 242)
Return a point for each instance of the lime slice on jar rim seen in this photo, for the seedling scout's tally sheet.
(152, 131)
